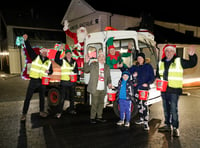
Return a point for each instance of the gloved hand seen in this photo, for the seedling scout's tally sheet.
(66, 25)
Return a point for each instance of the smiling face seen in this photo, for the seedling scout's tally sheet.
(125, 77)
(140, 60)
(169, 52)
(101, 58)
(44, 53)
(112, 51)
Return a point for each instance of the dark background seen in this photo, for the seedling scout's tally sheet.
(186, 12)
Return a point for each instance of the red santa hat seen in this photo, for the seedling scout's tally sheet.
(167, 46)
(43, 50)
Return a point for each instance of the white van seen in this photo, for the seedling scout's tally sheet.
(142, 41)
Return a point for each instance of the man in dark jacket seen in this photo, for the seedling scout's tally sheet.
(41, 66)
(170, 68)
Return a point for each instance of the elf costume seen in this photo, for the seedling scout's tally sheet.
(113, 60)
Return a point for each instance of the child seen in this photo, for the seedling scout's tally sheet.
(124, 95)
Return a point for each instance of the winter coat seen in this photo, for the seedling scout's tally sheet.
(93, 69)
(129, 89)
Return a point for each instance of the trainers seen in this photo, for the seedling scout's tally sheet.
(73, 112)
(101, 120)
(120, 122)
(43, 114)
(93, 121)
(165, 128)
(58, 115)
(139, 121)
(23, 117)
(176, 132)
(146, 126)
(127, 124)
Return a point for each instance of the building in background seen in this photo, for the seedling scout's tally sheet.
(80, 13)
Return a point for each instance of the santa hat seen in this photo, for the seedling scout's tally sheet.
(109, 28)
(43, 50)
(110, 43)
(167, 47)
(67, 49)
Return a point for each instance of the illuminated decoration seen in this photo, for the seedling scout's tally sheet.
(25, 71)
(19, 41)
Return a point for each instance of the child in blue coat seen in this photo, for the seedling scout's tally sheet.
(124, 95)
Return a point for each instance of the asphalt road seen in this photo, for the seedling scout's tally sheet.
(74, 131)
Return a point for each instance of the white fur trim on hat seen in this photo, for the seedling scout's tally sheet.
(171, 47)
(43, 50)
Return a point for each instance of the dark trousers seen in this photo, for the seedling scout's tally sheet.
(67, 91)
(170, 106)
(33, 85)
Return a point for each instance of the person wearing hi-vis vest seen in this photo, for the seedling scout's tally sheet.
(40, 67)
(68, 67)
(170, 68)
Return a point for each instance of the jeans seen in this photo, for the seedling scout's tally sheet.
(170, 106)
(33, 85)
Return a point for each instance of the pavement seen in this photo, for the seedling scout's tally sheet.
(75, 131)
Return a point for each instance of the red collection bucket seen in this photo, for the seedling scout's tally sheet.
(161, 85)
(45, 80)
(73, 77)
(111, 96)
(143, 94)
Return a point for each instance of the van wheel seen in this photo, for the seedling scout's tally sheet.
(134, 109)
(53, 97)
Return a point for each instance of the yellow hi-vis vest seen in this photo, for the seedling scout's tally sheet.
(175, 73)
(38, 69)
(66, 70)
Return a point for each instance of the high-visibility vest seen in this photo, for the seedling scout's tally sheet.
(66, 70)
(38, 69)
(175, 73)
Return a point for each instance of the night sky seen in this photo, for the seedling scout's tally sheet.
(186, 12)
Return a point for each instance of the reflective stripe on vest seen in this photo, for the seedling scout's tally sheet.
(66, 70)
(175, 73)
(38, 69)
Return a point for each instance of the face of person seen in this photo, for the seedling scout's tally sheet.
(68, 55)
(169, 52)
(125, 77)
(112, 51)
(140, 60)
(44, 54)
(101, 58)
(62, 46)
